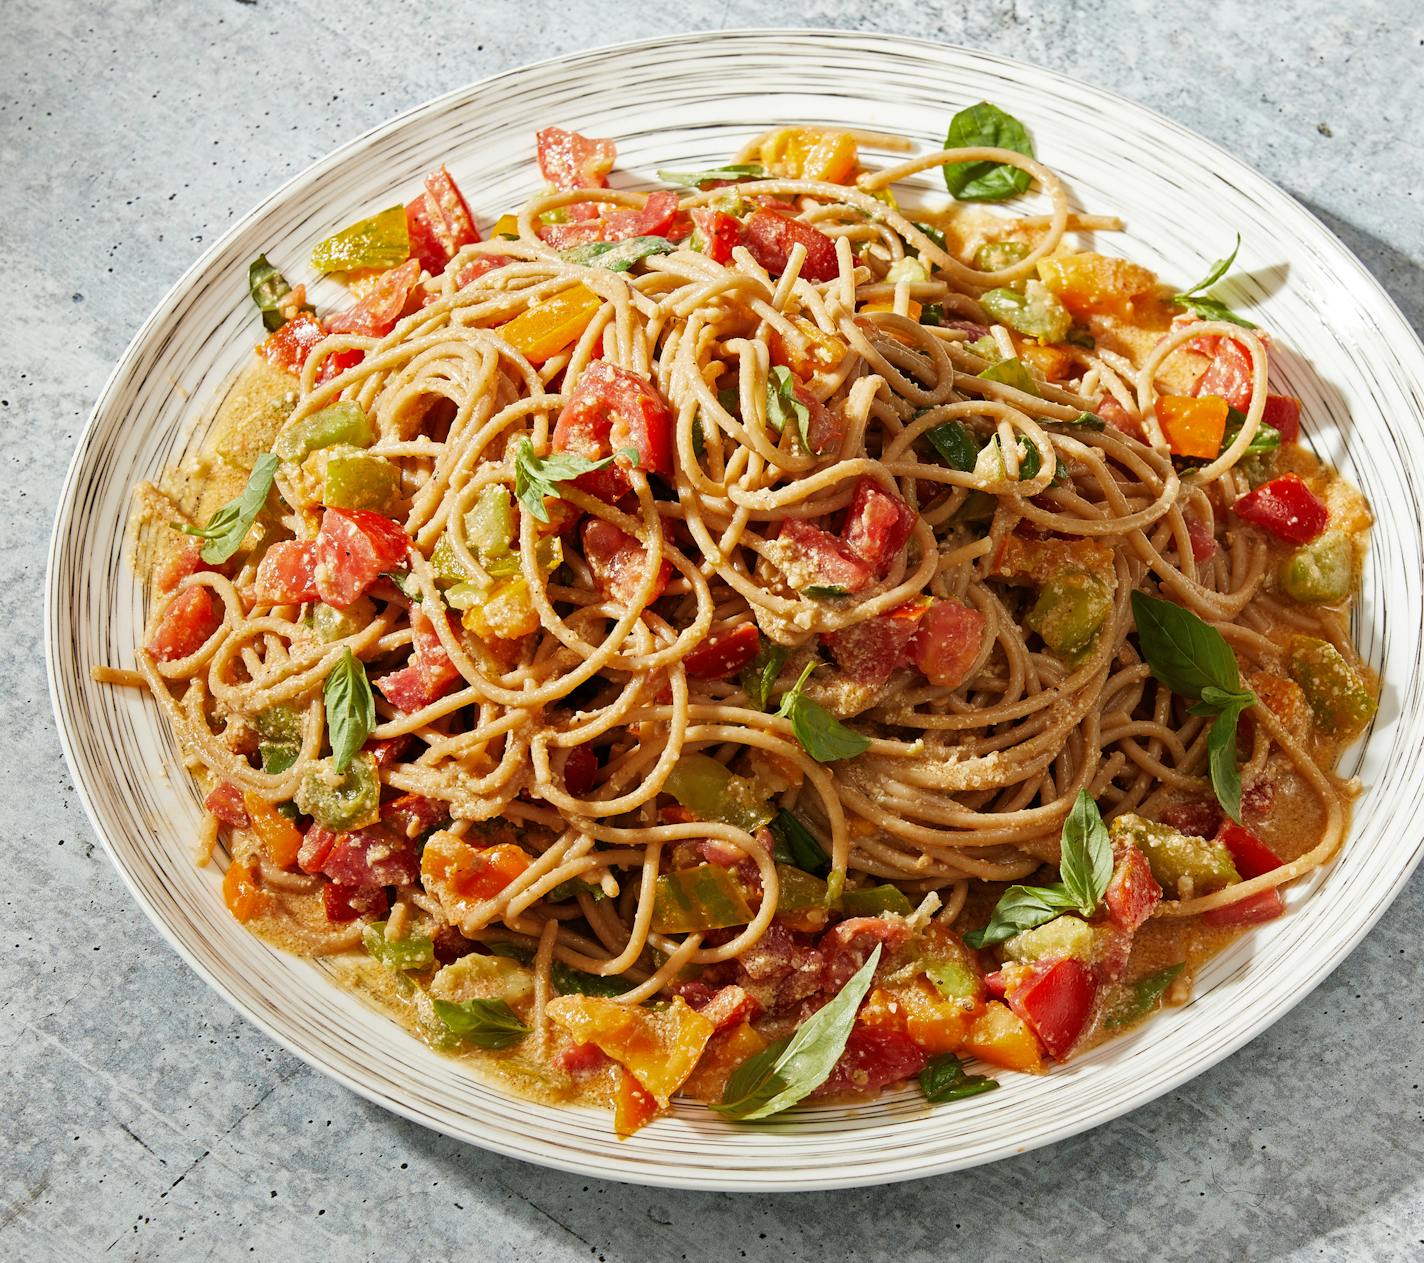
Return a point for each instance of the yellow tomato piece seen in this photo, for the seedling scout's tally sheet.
(1002, 1038)
(808, 153)
(1089, 283)
(245, 899)
(462, 876)
(505, 226)
(816, 351)
(542, 332)
(1054, 362)
(725, 1051)
(659, 1048)
(634, 1107)
(1193, 427)
(507, 615)
(279, 835)
(936, 1024)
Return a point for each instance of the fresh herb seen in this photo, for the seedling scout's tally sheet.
(350, 709)
(572, 888)
(789, 1070)
(1085, 866)
(1266, 439)
(932, 314)
(1196, 301)
(1086, 421)
(538, 477)
(1030, 462)
(820, 733)
(824, 591)
(1079, 336)
(1142, 997)
(570, 981)
(782, 406)
(1012, 373)
(761, 673)
(228, 527)
(268, 287)
(511, 950)
(728, 174)
(986, 126)
(398, 954)
(1193, 659)
(934, 234)
(797, 845)
(483, 1023)
(955, 444)
(944, 1079)
(616, 256)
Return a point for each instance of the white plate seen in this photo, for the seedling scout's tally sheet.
(680, 103)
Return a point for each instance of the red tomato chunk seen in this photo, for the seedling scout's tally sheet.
(225, 805)
(835, 564)
(720, 656)
(878, 525)
(948, 642)
(1285, 507)
(353, 548)
(286, 575)
(191, 617)
(772, 236)
(619, 562)
(612, 412)
(376, 314)
(1056, 999)
(1228, 376)
(1132, 893)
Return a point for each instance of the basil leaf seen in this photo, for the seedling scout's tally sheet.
(1086, 421)
(521, 952)
(731, 172)
(934, 234)
(986, 126)
(1183, 652)
(1194, 300)
(228, 527)
(1030, 462)
(268, 287)
(761, 673)
(1219, 268)
(1086, 860)
(1022, 908)
(790, 1070)
(1012, 373)
(824, 591)
(955, 444)
(483, 1023)
(820, 733)
(1144, 996)
(932, 315)
(570, 981)
(1221, 757)
(944, 1079)
(572, 888)
(782, 406)
(350, 709)
(797, 845)
(616, 256)
(1266, 439)
(538, 477)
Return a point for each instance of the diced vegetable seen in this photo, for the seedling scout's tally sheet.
(634, 1107)
(1070, 610)
(380, 241)
(721, 656)
(1282, 414)
(1229, 375)
(415, 952)
(878, 524)
(1133, 893)
(1176, 857)
(191, 617)
(658, 1047)
(947, 642)
(1056, 1000)
(1011, 372)
(833, 562)
(470, 874)
(279, 835)
(874, 901)
(286, 575)
(616, 256)
(1063, 936)
(357, 480)
(1266, 905)
(1089, 284)
(1339, 697)
(715, 233)
(343, 423)
(619, 563)
(1036, 312)
(1320, 571)
(330, 623)
(703, 898)
(354, 547)
(1141, 997)
(995, 256)
(571, 161)
(280, 730)
(288, 348)
(1002, 1038)
(269, 288)
(617, 413)
(1192, 427)
(1285, 507)
(225, 804)
(800, 891)
(543, 331)
(338, 802)
(381, 305)
(505, 612)
(805, 153)
(771, 236)
(242, 892)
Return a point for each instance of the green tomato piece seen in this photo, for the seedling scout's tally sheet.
(872, 901)
(1036, 313)
(1012, 373)
(907, 269)
(1338, 696)
(1070, 610)
(1175, 856)
(1063, 936)
(357, 480)
(489, 526)
(380, 241)
(345, 422)
(711, 792)
(994, 256)
(484, 978)
(800, 890)
(1320, 571)
(703, 898)
(280, 728)
(397, 954)
(331, 624)
(342, 803)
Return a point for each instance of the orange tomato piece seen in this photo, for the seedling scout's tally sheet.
(936, 1024)
(542, 332)
(279, 835)
(725, 1051)
(1054, 362)
(882, 1011)
(462, 876)
(658, 1047)
(508, 613)
(1095, 284)
(245, 899)
(1002, 1038)
(1193, 427)
(804, 153)
(634, 1107)
(818, 351)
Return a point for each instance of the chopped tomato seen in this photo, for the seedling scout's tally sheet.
(286, 575)
(720, 232)
(225, 805)
(1056, 999)
(771, 237)
(814, 351)
(835, 564)
(187, 560)
(947, 643)
(410, 815)
(722, 655)
(874, 1058)
(582, 1059)
(619, 562)
(1285, 507)
(279, 835)
(1192, 427)
(614, 412)
(1251, 856)
(634, 1107)
(453, 869)
(1132, 893)
(337, 363)
(346, 903)
(877, 525)
(192, 616)
(1002, 1038)
(242, 892)
(381, 306)
(571, 161)
(289, 347)
(1203, 541)
(353, 548)
(429, 673)
(1228, 376)
(446, 224)
(1197, 817)
(1282, 412)
(316, 846)
(581, 771)
(374, 856)
(390, 751)
(824, 427)
(1253, 910)
(653, 219)
(847, 945)
(476, 268)
(868, 652)
(1118, 417)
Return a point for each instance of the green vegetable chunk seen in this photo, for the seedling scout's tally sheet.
(995, 256)
(1177, 857)
(331, 624)
(352, 801)
(1320, 571)
(874, 901)
(398, 954)
(1064, 936)
(356, 480)
(1071, 608)
(708, 790)
(1012, 373)
(800, 891)
(381, 241)
(616, 256)
(280, 728)
(1141, 997)
(1337, 694)
(703, 898)
(1036, 312)
(342, 423)
(268, 287)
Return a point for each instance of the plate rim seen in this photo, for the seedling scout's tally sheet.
(647, 1175)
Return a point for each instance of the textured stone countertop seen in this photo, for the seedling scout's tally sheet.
(143, 1119)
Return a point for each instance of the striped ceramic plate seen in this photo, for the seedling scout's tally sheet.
(680, 102)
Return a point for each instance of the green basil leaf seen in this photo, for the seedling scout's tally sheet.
(789, 1071)
(572, 888)
(1022, 908)
(1030, 462)
(820, 733)
(934, 234)
(350, 709)
(616, 256)
(538, 477)
(731, 172)
(985, 126)
(1086, 421)
(1085, 860)
(570, 981)
(797, 845)
(1221, 758)
(1211, 309)
(1219, 268)
(483, 1023)
(761, 673)
(521, 952)
(1183, 652)
(782, 406)
(824, 591)
(268, 287)
(228, 527)
(944, 1079)
(955, 444)
(1144, 995)
(1266, 439)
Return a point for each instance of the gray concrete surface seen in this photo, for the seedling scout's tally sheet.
(142, 1119)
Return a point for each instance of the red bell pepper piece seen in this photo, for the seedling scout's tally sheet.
(1285, 507)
